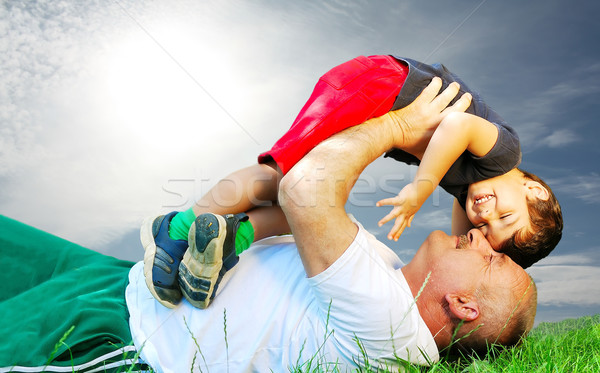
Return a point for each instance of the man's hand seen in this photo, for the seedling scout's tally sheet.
(419, 120)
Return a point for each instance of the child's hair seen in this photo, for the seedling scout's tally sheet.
(526, 247)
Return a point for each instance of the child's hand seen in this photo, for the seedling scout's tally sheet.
(406, 206)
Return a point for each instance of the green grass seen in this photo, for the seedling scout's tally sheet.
(571, 345)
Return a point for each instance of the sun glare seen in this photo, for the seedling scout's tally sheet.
(162, 89)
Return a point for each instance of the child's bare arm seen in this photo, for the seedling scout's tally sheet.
(460, 223)
(457, 133)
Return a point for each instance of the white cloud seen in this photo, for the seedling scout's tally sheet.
(567, 284)
(43, 48)
(534, 134)
(583, 187)
(538, 126)
(437, 219)
(566, 260)
(560, 138)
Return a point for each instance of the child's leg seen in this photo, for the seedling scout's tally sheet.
(217, 237)
(268, 221)
(166, 238)
(241, 191)
(252, 190)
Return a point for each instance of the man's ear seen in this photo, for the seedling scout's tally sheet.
(463, 307)
(537, 190)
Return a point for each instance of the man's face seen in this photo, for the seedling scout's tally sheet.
(461, 264)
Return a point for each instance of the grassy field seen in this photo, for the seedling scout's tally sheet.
(571, 345)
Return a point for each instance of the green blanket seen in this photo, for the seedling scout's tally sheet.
(61, 305)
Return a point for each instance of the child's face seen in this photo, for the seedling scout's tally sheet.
(498, 206)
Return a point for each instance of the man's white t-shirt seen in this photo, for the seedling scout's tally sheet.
(268, 316)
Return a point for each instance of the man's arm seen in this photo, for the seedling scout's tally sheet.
(313, 193)
(457, 133)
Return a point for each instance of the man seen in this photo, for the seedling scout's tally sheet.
(356, 308)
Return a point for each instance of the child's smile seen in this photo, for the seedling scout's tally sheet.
(483, 198)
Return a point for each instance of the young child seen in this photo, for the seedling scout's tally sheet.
(472, 155)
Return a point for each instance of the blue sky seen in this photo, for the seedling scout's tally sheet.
(112, 111)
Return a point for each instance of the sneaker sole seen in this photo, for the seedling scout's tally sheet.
(199, 270)
(147, 239)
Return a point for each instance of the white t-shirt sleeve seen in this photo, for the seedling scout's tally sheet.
(364, 299)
